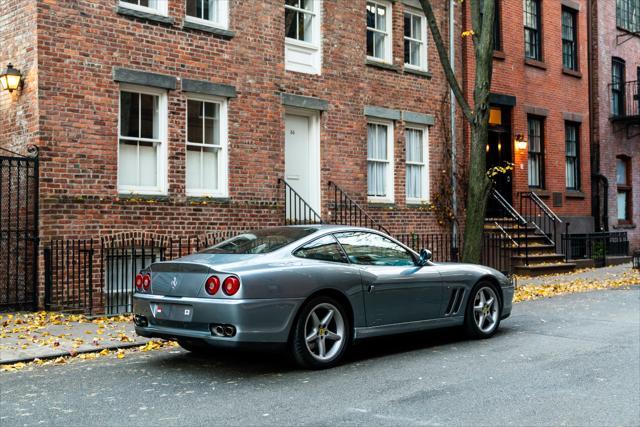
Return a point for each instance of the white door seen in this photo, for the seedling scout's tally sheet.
(301, 158)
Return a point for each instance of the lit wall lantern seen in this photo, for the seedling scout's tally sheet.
(10, 79)
(520, 142)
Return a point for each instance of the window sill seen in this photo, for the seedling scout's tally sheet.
(573, 73)
(207, 199)
(149, 16)
(625, 226)
(142, 197)
(383, 65)
(208, 29)
(575, 194)
(417, 203)
(422, 73)
(499, 55)
(535, 64)
(379, 202)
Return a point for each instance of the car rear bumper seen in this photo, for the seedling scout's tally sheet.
(256, 321)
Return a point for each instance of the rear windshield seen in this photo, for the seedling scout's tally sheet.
(260, 241)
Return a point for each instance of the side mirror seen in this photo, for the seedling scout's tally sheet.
(425, 256)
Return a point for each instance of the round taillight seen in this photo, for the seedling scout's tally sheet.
(139, 282)
(146, 282)
(212, 285)
(231, 285)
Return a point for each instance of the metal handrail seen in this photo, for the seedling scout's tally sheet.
(297, 211)
(507, 207)
(544, 206)
(353, 214)
(536, 208)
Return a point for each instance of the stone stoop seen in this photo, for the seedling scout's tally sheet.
(543, 257)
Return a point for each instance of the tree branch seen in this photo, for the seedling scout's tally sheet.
(444, 60)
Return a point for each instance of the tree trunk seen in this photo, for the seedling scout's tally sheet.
(479, 187)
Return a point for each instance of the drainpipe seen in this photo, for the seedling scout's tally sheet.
(452, 60)
(594, 139)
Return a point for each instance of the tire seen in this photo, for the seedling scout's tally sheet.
(482, 316)
(318, 343)
(195, 346)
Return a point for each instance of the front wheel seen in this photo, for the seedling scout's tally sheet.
(321, 334)
(483, 312)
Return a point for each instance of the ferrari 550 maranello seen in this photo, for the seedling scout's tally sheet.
(314, 290)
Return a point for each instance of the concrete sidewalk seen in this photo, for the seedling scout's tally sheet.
(600, 274)
(27, 336)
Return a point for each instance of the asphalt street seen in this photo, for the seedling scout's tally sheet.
(571, 360)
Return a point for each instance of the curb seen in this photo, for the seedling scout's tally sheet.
(67, 353)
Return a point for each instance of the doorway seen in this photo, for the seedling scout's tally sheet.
(499, 152)
(302, 155)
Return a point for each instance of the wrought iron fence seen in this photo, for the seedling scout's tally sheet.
(345, 211)
(18, 231)
(297, 210)
(95, 276)
(443, 248)
(595, 246)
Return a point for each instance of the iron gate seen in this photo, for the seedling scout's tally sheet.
(19, 231)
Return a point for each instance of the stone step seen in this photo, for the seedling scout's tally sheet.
(538, 258)
(543, 269)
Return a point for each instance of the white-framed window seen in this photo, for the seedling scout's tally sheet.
(415, 40)
(207, 147)
(303, 35)
(417, 164)
(150, 6)
(380, 161)
(379, 31)
(214, 13)
(142, 140)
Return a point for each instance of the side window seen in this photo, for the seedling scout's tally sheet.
(372, 249)
(323, 249)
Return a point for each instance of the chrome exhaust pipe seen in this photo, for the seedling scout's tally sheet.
(218, 330)
(229, 331)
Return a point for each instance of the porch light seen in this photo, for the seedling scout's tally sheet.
(520, 142)
(10, 79)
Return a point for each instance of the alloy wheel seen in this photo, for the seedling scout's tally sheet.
(324, 331)
(485, 309)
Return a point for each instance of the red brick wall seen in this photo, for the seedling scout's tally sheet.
(613, 140)
(19, 109)
(548, 88)
(79, 43)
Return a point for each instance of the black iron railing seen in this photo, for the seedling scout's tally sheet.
(625, 100)
(510, 225)
(297, 211)
(594, 246)
(345, 211)
(19, 235)
(540, 216)
(442, 247)
(95, 276)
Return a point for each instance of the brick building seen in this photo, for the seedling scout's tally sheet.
(616, 109)
(180, 116)
(540, 94)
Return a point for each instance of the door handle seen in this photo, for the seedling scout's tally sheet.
(371, 289)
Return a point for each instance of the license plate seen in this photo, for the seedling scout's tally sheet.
(176, 312)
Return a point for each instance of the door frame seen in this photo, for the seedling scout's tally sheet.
(314, 152)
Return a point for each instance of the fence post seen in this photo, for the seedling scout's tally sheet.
(566, 241)
(47, 278)
(91, 278)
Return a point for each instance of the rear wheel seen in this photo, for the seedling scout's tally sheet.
(194, 345)
(321, 334)
(483, 312)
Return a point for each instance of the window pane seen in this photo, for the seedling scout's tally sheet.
(407, 25)
(194, 170)
(129, 114)
(304, 27)
(323, 249)
(371, 15)
(369, 43)
(415, 54)
(211, 124)
(381, 18)
(192, 8)
(194, 121)
(416, 32)
(307, 4)
(622, 205)
(128, 163)
(621, 172)
(290, 23)
(378, 45)
(148, 164)
(210, 168)
(148, 120)
(373, 249)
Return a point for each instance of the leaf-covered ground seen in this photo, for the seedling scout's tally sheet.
(32, 329)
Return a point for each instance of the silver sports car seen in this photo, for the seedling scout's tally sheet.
(314, 290)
